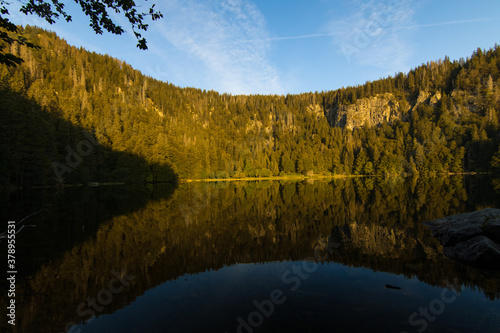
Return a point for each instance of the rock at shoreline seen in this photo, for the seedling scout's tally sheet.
(479, 249)
(471, 237)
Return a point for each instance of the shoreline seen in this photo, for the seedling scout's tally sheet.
(303, 177)
(296, 177)
(207, 180)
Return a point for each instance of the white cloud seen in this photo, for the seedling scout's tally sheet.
(210, 33)
(375, 34)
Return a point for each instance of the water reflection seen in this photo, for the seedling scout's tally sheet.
(188, 258)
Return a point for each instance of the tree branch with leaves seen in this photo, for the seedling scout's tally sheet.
(98, 12)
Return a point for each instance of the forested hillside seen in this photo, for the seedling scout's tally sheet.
(72, 116)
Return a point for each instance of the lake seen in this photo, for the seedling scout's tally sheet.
(343, 255)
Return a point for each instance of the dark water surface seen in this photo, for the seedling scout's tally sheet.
(348, 255)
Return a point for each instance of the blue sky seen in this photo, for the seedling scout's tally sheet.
(290, 46)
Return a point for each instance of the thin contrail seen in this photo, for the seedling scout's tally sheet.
(320, 35)
(452, 22)
(272, 39)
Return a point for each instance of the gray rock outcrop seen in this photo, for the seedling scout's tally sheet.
(471, 237)
(371, 111)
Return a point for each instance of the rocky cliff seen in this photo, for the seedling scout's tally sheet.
(377, 109)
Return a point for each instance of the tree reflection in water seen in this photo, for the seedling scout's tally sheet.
(359, 222)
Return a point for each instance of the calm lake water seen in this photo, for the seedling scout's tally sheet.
(349, 255)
